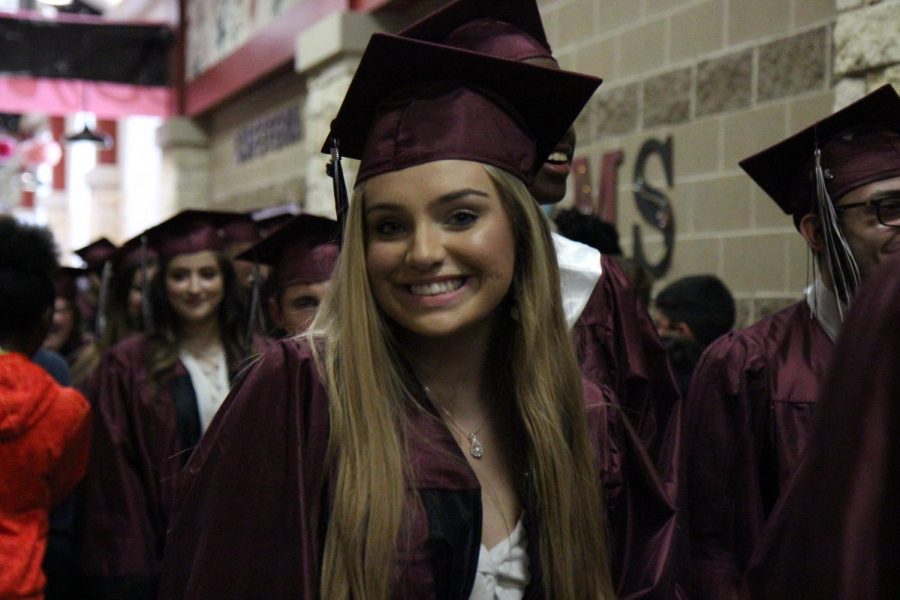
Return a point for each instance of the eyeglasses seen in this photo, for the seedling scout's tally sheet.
(887, 208)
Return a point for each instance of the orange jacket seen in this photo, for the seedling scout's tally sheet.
(44, 441)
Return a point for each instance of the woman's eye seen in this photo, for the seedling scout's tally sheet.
(462, 218)
(209, 273)
(388, 228)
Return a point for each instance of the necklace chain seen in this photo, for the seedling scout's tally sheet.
(476, 449)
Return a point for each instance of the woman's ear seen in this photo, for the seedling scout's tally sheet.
(811, 230)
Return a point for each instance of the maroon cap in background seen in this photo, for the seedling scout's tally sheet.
(96, 253)
(188, 232)
(131, 254)
(240, 229)
(413, 102)
(304, 250)
(510, 29)
(270, 218)
(859, 144)
(65, 282)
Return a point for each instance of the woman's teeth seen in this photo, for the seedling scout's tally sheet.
(439, 287)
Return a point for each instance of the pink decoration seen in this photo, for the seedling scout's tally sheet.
(7, 147)
(40, 152)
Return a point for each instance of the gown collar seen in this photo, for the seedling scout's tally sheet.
(579, 272)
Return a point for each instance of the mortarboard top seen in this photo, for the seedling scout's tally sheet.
(859, 144)
(304, 250)
(239, 228)
(65, 281)
(130, 254)
(96, 253)
(269, 219)
(413, 102)
(510, 29)
(188, 232)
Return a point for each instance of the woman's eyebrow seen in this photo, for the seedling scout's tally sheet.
(443, 199)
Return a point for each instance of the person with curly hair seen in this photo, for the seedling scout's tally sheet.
(44, 427)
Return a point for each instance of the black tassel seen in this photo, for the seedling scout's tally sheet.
(146, 310)
(336, 172)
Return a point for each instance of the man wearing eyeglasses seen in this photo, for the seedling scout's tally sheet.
(752, 400)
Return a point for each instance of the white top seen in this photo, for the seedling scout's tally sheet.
(209, 378)
(503, 570)
(579, 272)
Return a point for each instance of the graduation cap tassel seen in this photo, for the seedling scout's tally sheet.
(102, 297)
(254, 311)
(146, 311)
(841, 264)
(336, 172)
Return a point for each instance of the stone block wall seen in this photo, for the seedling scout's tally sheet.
(271, 175)
(724, 79)
(866, 47)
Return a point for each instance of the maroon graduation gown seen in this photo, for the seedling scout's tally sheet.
(617, 345)
(747, 419)
(245, 526)
(835, 531)
(140, 443)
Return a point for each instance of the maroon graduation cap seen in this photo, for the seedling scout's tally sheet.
(240, 228)
(269, 219)
(509, 29)
(303, 250)
(859, 144)
(96, 253)
(188, 232)
(131, 253)
(65, 282)
(413, 102)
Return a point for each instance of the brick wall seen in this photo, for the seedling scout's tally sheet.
(724, 79)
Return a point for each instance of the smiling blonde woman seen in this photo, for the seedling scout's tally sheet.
(430, 436)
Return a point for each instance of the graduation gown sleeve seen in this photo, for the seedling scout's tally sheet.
(142, 437)
(748, 416)
(834, 532)
(244, 526)
(646, 542)
(117, 540)
(617, 345)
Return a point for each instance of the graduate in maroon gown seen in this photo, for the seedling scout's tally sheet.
(834, 532)
(750, 410)
(301, 254)
(445, 325)
(153, 396)
(133, 265)
(66, 336)
(239, 232)
(615, 338)
(96, 256)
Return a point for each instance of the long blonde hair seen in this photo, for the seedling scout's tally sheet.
(369, 391)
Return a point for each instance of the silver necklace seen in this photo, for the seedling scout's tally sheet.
(476, 450)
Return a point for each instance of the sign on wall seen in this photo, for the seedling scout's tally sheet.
(652, 204)
(268, 133)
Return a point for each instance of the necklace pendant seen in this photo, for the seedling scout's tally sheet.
(475, 447)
